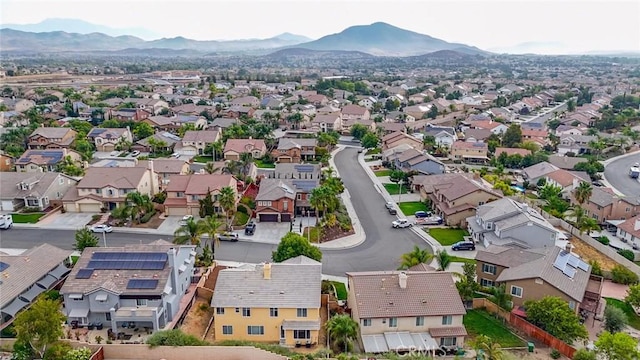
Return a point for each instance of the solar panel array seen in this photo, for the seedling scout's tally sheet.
(305, 185)
(84, 274)
(128, 261)
(131, 256)
(304, 168)
(3, 266)
(142, 284)
(569, 264)
(53, 156)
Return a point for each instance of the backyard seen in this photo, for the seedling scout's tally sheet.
(632, 318)
(30, 218)
(394, 189)
(480, 322)
(448, 237)
(410, 207)
(341, 290)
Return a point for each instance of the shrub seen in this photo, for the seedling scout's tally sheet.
(96, 217)
(52, 294)
(596, 269)
(584, 354)
(603, 240)
(622, 275)
(28, 210)
(627, 254)
(159, 198)
(249, 202)
(555, 354)
(174, 338)
(243, 209)
(146, 217)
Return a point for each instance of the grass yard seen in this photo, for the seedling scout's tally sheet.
(462, 260)
(394, 189)
(314, 236)
(373, 151)
(264, 165)
(30, 218)
(448, 237)
(203, 159)
(480, 322)
(385, 172)
(240, 219)
(632, 318)
(410, 207)
(341, 290)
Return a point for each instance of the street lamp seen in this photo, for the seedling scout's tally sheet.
(400, 194)
(308, 227)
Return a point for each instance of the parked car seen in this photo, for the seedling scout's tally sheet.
(390, 205)
(401, 223)
(431, 220)
(135, 153)
(185, 219)
(6, 222)
(250, 229)
(463, 245)
(422, 214)
(228, 236)
(102, 228)
(393, 211)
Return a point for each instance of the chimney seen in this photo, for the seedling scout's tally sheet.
(568, 247)
(636, 226)
(402, 279)
(266, 271)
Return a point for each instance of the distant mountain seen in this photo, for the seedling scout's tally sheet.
(299, 39)
(293, 53)
(386, 40)
(82, 27)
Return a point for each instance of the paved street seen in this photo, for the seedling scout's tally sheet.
(617, 174)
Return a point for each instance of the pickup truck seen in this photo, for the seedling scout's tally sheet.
(401, 223)
(6, 222)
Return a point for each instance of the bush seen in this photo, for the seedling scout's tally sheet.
(96, 217)
(603, 240)
(249, 202)
(146, 217)
(174, 338)
(622, 275)
(52, 295)
(159, 198)
(27, 210)
(243, 209)
(596, 269)
(555, 354)
(627, 254)
(584, 354)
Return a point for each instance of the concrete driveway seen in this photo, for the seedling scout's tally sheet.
(266, 232)
(67, 220)
(170, 224)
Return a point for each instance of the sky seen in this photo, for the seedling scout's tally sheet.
(567, 26)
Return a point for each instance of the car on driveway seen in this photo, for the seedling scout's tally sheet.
(102, 228)
(401, 223)
(250, 229)
(431, 220)
(463, 245)
(185, 219)
(422, 214)
(228, 236)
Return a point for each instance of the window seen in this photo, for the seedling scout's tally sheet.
(141, 302)
(179, 194)
(302, 312)
(246, 312)
(447, 320)
(273, 312)
(420, 321)
(220, 311)
(285, 205)
(299, 196)
(572, 305)
(97, 191)
(448, 341)
(489, 269)
(237, 310)
(227, 330)
(110, 192)
(516, 291)
(366, 322)
(487, 283)
(393, 322)
(107, 316)
(255, 330)
(302, 334)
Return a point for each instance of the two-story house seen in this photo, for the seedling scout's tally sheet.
(51, 138)
(195, 142)
(275, 201)
(398, 138)
(629, 230)
(576, 144)
(34, 160)
(469, 151)
(604, 204)
(506, 222)
(327, 122)
(35, 190)
(131, 286)
(535, 273)
(301, 178)
(443, 135)
(167, 141)
(413, 160)
(107, 187)
(166, 168)
(235, 147)
(128, 114)
(107, 139)
(567, 180)
(291, 150)
(184, 191)
(355, 112)
(6, 162)
(265, 303)
(399, 311)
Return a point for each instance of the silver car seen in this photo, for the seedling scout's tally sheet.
(228, 236)
(102, 228)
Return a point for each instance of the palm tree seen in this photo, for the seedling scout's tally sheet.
(211, 168)
(587, 224)
(583, 192)
(189, 233)
(139, 204)
(246, 159)
(227, 200)
(210, 225)
(491, 350)
(444, 259)
(416, 257)
(342, 329)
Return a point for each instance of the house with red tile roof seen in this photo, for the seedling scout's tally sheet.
(512, 151)
(235, 147)
(184, 191)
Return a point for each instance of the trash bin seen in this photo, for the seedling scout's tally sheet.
(530, 346)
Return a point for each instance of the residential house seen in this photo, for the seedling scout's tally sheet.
(166, 168)
(327, 122)
(389, 127)
(51, 138)
(6, 162)
(506, 222)
(562, 130)
(474, 135)
(165, 142)
(565, 162)
(367, 102)
(153, 106)
(454, 196)
(413, 160)
(34, 190)
(248, 101)
(107, 188)
(629, 230)
(604, 204)
(45, 160)
(295, 150)
(130, 286)
(184, 191)
(576, 144)
(355, 112)
(238, 111)
(235, 147)
(25, 275)
(567, 180)
(348, 124)
(403, 311)
(305, 109)
(535, 273)
(195, 142)
(443, 135)
(16, 104)
(107, 139)
(223, 123)
(264, 302)
(469, 151)
(128, 114)
(397, 138)
(417, 111)
(275, 201)
(493, 126)
(534, 173)
(512, 151)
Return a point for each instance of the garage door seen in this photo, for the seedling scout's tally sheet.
(268, 217)
(90, 208)
(285, 217)
(175, 211)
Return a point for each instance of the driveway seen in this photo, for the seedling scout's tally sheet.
(266, 232)
(169, 225)
(66, 220)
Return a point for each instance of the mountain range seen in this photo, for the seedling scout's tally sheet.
(81, 27)
(379, 39)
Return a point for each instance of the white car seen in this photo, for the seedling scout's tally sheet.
(102, 228)
(228, 236)
(135, 153)
(186, 219)
(401, 223)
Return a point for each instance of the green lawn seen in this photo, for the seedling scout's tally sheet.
(240, 218)
(632, 319)
(341, 290)
(373, 151)
(448, 237)
(479, 322)
(74, 259)
(264, 165)
(462, 260)
(385, 172)
(203, 158)
(314, 236)
(30, 218)
(394, 189)
(410, 207)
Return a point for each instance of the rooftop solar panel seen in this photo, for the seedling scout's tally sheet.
(3, 266)
(84, 274)
(142, 284)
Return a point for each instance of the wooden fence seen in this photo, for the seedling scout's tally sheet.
(98, 355)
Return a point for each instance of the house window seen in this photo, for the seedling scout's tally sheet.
(107, 316)
(179, 194)
(285, 205)
(299, 196)
(489, 269)
(97, 191)
(420, 321)
(246, 312)
(273, 312)
(110, 192)
(516, 291)
(448, 341)
(33, 202)
(237, 310)
(366, 322)
(302, 312)
(220, 311)
(227, 330)
(572, 305)
(141, 302)
(255, 330)
(302, 334)
(487, 283)
(447, 320)
(393, 322)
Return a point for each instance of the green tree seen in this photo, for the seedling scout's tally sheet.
(358, 131)
(512, 136)
(614, 319)
(433, 112)
(554, 315)
(583, 192)
(84, 239)
(342, 329)
(207, 206)
(467, 285)
(40, 325)
(210, 226)
(139, 204)
(59, 351)
(189, 233)
(585, 354)
(370, 140)
(618, 346)
(142, 130)
(211, 168)
(227, 200)
(83, 353)
(444, 259)
(633, 295)
(501, 298)
(491, 349)
(69, 167)
(416, 257)
(571, 105)
(292, 245)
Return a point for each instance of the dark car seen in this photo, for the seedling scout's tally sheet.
(393, 211)
(250, 229)
(463, 245)
(422, 214)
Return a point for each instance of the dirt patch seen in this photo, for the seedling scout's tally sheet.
(334, 232)
(210, 283)
(196, 321)
(588, 253)
(537, 354)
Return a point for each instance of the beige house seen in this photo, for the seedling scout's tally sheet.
(400, 310)
(51, 138)
(195, 142)
(165, 168)
(327, 122)
(234, 147)
(398, 138)
(605, 205)
(184, 191)
(355, 112)
(18, 105)
(107, 139)
(469, 151)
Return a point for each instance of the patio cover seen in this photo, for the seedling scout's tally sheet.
(60, 271)
(32, 293)
(47, 281)
(301, 325)
(15, 306)
(78, 313)
(374, 344)
(398, 341)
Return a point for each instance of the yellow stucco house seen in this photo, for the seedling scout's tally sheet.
(276, 303)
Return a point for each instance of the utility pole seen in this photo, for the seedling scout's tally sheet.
(104, 238)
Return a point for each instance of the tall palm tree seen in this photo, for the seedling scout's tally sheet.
(246, 159)
(227, 200)
(210, 225)
(139, 204)
(342, 329)
(189, 233)
(444, 259)
(415, 257)
(583, 192)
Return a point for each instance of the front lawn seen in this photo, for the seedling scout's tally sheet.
(448, 237)
(264, 165)
(314, 236)
(632, 318)
(240, 219)
(480, 322)
(30, 218)
(394, 189)
(410, 207)
(203, 159)
(385, 172)
(373, 151)
(462, 260)
(341, 290)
